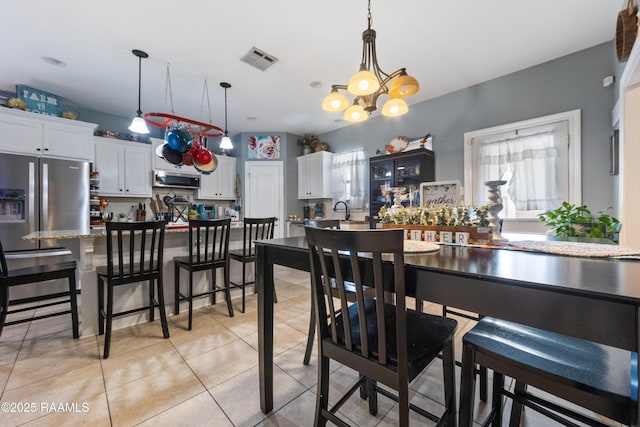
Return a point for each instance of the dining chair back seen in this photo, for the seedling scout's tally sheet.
(36, 275)
(134, 255)
(384, 342)
(208, 251)
(254, 229)
(593, 376)
(318, 223)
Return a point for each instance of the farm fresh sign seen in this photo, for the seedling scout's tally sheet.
(39, 101)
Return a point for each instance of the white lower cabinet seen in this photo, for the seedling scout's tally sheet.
(124, 167)
(221, 184)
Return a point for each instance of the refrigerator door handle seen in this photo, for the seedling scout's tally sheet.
(44, 221)
(32, 197)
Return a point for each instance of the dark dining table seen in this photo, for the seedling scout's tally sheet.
(596, 299)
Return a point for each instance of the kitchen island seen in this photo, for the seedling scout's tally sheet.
(89, 249)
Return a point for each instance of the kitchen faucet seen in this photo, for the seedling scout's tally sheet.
(346, 209)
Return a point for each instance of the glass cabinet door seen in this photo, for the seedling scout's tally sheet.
(409, 174)
(382, 178)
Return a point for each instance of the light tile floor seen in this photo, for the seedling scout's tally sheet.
(205, 377)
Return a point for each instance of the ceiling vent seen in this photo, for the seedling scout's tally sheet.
(259, 59)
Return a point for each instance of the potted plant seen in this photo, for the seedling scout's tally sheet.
(193, 214)
(122, 217)
(308, 142)
(577, 221)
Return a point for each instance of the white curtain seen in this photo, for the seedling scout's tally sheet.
(348, 178)
(531, 160)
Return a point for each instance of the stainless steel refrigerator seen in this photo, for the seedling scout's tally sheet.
(39, 194)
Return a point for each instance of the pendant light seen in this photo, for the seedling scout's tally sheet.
(225, 142)
(138, 125)
(369, 83)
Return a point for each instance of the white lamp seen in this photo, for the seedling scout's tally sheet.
(138, 125)
(225, 142)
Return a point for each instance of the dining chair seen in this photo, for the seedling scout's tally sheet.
(318, 223)
(208, 251)
(385, 343)
(593, 376)
(36, 275)
(254, 229)
(135, 259)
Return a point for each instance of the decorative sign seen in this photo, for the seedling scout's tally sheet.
(39, 101)
(438, 193)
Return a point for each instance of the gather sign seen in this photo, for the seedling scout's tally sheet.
(439, 193)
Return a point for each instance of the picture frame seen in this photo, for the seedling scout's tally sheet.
(439, 193)
(263, 147)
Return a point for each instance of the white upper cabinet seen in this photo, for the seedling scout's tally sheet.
(160, 164)
(33, 134)
(124, 167)
(221, 183)
(314, 175)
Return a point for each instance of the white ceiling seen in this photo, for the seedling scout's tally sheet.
(446, 45)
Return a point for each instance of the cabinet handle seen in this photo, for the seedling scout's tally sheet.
(120, 190)
(38, 149)
(46, 149)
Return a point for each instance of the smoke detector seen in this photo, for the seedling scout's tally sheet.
(259, 59)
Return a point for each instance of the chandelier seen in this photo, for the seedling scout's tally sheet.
(369, 84)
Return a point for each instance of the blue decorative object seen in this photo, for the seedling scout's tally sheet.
(318, 210)
(39, 101)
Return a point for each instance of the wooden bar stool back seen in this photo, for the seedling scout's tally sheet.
(134, 256)
(208, 251)
(254, 229)
(385, 343)
(36, 275)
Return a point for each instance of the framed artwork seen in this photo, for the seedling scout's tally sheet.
(263, 147)
(39, 101)
(438, 193)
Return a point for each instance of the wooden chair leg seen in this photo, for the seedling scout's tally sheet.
(109, 315)
(4, 305)
(152, 310)
(322, 392)
(449, 378)
(372, 395)
(214, 286)
(467, 386)
(176, 287)
(244, 282)
(190, 300)
(484, 383)
(227, 289)
(310, 335)
(517, 407)
(497, 399)
(73, 298)
(100, 306)
(163, 313)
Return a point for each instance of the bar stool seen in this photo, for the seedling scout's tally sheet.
(594, 376)
(33, 275)
(254, 229)
(133, 262)
(208, 251)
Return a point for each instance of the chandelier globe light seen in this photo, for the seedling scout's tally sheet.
(369, 83)
(138, 124)
(225, 142)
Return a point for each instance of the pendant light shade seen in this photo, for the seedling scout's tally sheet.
(355, 114)
(335, 101)
(138, 125)
(403, 86)
(225, 142)
(395, 107)
(363, 82)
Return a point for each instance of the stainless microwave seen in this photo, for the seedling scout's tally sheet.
(175, 180)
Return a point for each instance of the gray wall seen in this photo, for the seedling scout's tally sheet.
(567, 83)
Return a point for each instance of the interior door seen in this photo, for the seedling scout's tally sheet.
(264, 188)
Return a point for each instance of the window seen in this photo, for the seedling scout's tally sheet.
(348, 178)
(539, 159)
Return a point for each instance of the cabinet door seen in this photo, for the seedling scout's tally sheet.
(137, 162)
(221, 184)
(303, 177)
(20, 135)
(67, 141)
(110, 165)
(315, 177)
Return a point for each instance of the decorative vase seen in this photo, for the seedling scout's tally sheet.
(306, 150)
(495, 206)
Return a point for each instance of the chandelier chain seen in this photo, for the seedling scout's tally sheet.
(205, 92)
